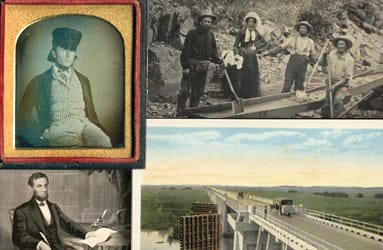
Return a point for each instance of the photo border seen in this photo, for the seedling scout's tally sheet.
(137, 119)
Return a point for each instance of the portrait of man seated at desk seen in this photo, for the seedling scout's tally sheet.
(62, 99)
(38, 223)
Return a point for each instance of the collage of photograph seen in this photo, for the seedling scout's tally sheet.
(264, 127)
(191, 124)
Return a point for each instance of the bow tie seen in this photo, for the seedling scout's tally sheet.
(64, 74)
(42, 203)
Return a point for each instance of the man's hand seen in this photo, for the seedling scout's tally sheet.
(90, 234)
(44, 246)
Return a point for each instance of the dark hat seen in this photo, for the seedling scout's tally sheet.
(66, 38)
(344, 38)
(307, 24)
(207, 13)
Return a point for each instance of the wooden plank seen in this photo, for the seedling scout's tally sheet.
(365, 88)
(276, 106)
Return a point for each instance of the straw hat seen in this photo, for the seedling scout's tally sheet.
(307, 24)
(344, 38)
(207, 13)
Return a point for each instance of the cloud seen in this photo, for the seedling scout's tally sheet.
(312, 142)
(263, 136)
(361, 137)
(335, 133)
(187, 138)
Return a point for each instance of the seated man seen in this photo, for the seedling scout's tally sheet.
(63, 102)
(37, 224)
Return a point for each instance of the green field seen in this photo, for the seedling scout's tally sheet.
(162, 208)
(366, 209)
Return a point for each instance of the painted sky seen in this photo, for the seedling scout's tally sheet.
(259, 156)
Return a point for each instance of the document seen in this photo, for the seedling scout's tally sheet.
(101, 235)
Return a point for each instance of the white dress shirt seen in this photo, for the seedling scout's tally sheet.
(43, 206)
(45, 211)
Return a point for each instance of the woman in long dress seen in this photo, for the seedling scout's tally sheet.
(248, 42)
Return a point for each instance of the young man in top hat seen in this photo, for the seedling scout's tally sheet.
(301, 49)
(38, 223)
(199, 54)
(341, 70)
(63, 101)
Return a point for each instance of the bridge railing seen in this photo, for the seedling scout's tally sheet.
(365, 226)
(285, 230)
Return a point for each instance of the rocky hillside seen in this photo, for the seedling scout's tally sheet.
(170, 20)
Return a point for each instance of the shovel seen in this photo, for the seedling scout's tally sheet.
(237, 104)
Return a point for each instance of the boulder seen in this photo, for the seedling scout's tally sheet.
(164, 64)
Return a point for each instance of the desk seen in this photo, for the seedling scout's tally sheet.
(118, 241)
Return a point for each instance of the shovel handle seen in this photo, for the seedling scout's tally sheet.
(231, 85)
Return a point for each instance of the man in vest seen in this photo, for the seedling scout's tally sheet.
(341, 70)
(63, 102)
(38, 223)
(198, 58)
(301, 49)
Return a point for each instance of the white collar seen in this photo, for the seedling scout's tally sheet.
(45, 202)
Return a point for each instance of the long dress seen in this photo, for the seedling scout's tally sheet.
(249, 74)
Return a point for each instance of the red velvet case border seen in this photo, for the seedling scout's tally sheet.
(137, 90)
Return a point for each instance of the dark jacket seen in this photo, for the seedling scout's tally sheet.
(37, 95)
(240, 41)
(199, 45)
(28, 223)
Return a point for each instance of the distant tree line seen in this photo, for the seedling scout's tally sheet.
(293, 191)
(333, 194)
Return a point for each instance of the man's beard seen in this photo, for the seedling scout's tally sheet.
(204, 28)
(40, 198)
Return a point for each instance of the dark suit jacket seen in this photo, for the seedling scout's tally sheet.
(28, 223)
(199, 45)
(37, 96)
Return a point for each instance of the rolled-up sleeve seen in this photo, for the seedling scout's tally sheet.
(287, 43)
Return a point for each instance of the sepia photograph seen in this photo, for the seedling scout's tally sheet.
(72, 86)
(265, 59)
(260, 185)
(67, 209)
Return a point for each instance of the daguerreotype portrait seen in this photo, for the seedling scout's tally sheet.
(71, 85)
(265, 59)
(67, 209)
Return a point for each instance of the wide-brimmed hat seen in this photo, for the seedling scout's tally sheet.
(207, 13)
(307, 24)
(344, 38)
(66, 38)
(253, 15)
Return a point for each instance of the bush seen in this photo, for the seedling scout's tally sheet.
(359, 195)
(379, 196)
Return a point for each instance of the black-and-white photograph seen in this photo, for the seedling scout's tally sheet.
(265, 59)
(68, 209)
(70, 84)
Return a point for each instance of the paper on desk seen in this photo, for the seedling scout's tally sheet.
(102, 234)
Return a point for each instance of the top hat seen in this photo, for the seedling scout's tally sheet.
(66, 38)
(307, 24)
(344, 38)
(207, 13)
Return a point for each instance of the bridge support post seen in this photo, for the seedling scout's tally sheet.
(244, 240)
(268, 241)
